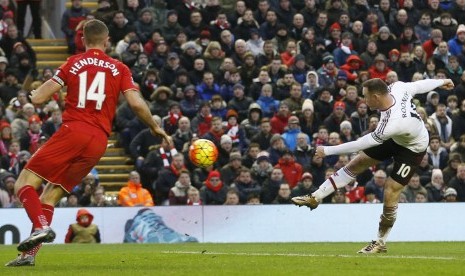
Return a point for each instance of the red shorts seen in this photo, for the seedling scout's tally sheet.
(69, 155)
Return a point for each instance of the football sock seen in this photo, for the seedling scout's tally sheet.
(30, 200)
(48, 212)
(338, 180)
(386, 222)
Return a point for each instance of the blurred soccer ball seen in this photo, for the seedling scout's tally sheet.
(203, 153)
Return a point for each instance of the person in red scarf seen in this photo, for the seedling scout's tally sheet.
(133, 194)
(30, 141)
(202, 122)
(167, 178)
(292, 171)
(170, 121)
(10, 161)
(235, 131)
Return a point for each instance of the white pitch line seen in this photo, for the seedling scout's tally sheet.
(314, 255)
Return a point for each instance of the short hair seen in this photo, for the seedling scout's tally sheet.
(376, 85)
(95, 32)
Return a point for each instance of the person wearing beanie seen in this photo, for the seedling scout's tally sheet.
(291, 132)
(304, 152)
(346, 133)
(333, 121)
(309, 122)
(386, 41)
(230, 171)
(235, 131)
(262, 168)
(240, 102)
(456, 43)
(436, 187)
(213, 192)
(304, 186)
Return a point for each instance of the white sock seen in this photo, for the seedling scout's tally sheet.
(339, 179)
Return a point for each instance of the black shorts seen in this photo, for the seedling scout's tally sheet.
(406, 162)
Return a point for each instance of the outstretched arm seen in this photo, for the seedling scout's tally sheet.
(45, 92)
(142, 111)
(423, 86)
(364, 142)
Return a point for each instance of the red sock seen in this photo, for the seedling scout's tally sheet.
(48, 212)
(30, 200)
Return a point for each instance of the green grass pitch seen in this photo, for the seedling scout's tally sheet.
(427, 258)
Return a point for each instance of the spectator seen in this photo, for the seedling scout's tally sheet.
(376, 185)
(214, 191)
(178, 194)
(85, 190)
(104, 11)
(245, 185)
(133, 194)
(83, 231)
(171, 27)
(339, 196)
(413, 188)
(262, 168)
(232, 197)
(251, 154)
(437, 155)
(292, 171)
(450, 195)
(69, 21)
(231, 171)
(291, 133)
(98, 198)
(304, 186)
(264, 135)
(7, 195)
(193, 197)
(167, 178)
(284, 195)
(436, 187)
(458, 182)
(270, 187)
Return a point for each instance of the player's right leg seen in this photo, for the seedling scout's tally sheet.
(338, 180)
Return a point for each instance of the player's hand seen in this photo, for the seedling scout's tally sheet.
(448, 84)
(320, 152)
(160, 132)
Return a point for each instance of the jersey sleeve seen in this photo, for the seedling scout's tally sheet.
(422, 86)
(127, 82)
(364, 142)
(61, 75)
(384, 131)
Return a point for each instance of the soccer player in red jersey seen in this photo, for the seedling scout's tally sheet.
(94, 82)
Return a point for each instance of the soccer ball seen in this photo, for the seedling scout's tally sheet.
(203, 153)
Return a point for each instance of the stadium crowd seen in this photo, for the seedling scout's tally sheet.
(266, 82)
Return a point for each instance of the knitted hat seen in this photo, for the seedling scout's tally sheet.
(34, 119)
(238, 86)
(172, 55)
(306, 175)
(345, 124)
(308, 104)
(299, 57)
(461, 29)
(328, 58)
(231, 113)
(189, 87)
(339, 104)
(341, 75)
(4, 60)
(225, 139)
(214, 174)
(394, 52)
(384, 29)
(275, 138)
(205, 34)
(235, 156)
(293, 120)
(455, 157)
(380, 57)
(450, 191)
(335, 26)
(263, 156)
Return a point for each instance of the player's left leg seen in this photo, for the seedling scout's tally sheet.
(392, 191)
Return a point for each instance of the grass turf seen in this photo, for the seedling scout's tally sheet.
(439, 258)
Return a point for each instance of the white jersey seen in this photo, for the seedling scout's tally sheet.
(399, 122)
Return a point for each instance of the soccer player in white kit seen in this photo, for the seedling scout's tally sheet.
(400, 134)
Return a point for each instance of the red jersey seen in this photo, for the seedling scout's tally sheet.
(94, 82)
